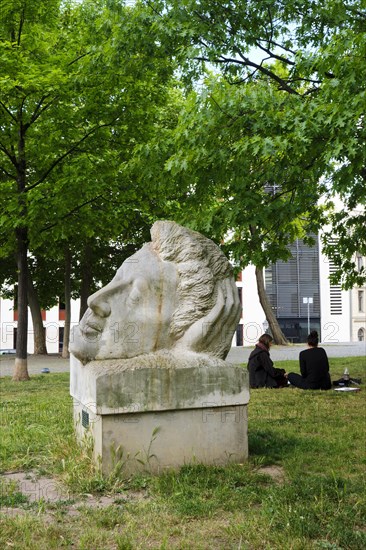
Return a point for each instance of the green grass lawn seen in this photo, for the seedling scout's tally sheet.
(315, 440)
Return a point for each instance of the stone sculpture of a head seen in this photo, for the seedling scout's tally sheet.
(177, 293)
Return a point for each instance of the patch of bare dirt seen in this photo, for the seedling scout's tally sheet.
(37, 488)
(46, 490)
(277, 473)
(8, 511)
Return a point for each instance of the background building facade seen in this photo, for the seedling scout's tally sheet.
(338, 315)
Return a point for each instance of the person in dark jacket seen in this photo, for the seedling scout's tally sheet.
(314, 367)
(262, 373)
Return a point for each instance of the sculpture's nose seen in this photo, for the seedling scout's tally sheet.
(99, 305)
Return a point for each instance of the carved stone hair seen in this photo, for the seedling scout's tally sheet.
(201, 267)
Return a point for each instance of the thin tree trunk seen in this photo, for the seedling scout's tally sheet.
(65, 348)
(21, 233)
(86, 278)
(21, 363)
(276, 331)
(39, 334)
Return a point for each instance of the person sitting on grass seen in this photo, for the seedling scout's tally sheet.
(314, 367)
(262, 373)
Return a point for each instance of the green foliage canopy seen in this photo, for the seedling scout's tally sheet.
(314, 55)
(83, 84)
(80, 90)
(248, 189)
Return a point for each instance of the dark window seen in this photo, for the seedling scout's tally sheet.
(359, 263)
(239, 335)
(240, 292)
(60, 339)
(288, 282)
(360, 301)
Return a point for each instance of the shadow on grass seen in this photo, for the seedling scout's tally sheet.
(272, 445)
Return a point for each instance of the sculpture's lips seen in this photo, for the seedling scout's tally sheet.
(92, 327)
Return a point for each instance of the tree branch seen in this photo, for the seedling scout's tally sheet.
(359, 13)
(76, 209)
(62, 157)
(277, 196)
(273, 55)
(283, 47)
(38, 111)
(11, 176)
(267, 72)
(9, 112)
(77, 58)
(247, 63)
(154, 9)
(11, 157)
(222, 110)
(21, 23)
(270, 37)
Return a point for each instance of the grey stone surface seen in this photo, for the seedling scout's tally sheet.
(161, 412)
(176, 293)
(171, 384)
(158, 440)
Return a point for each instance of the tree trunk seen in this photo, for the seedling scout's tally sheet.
(277, 333)
(86, 278)
(21, 233)
(21, 363)
(65, 348)
(39, 334)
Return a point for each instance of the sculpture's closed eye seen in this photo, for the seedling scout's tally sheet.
(135, 297)
(139, 290)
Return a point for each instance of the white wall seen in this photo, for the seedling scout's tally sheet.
(334, 328)
(6, 324)
(253, 314)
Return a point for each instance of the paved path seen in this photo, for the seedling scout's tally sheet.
(236, 355)
(35, 364)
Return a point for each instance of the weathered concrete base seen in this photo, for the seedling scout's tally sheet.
(163, 416)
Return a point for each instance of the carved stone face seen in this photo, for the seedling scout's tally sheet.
(131, 315)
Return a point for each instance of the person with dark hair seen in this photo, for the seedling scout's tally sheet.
(262, 373)
(314, 367)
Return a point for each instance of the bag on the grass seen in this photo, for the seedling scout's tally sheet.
(346, 383)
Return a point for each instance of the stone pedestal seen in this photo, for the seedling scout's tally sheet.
(154, 413)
